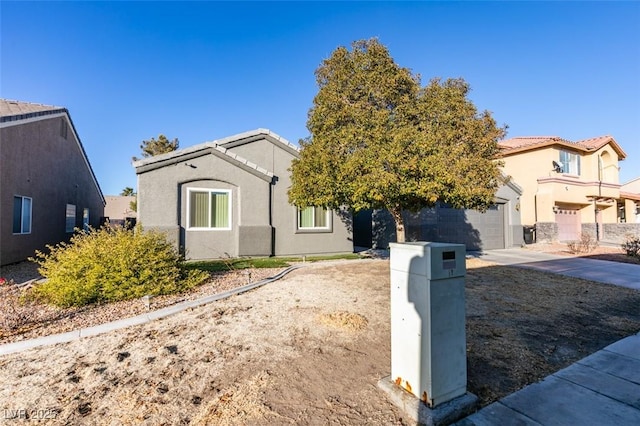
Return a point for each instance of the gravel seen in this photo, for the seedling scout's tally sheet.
(20, 319)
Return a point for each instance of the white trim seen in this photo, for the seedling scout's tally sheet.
(313, 228)
(210, 191)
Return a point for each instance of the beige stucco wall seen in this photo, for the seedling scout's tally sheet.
(118, 207)
(544, 188)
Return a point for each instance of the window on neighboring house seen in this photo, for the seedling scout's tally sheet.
(21, 215)
(313, 218)
(63, 128)
(570, 162)
(85, 219)
(70, 218)
(209, 209)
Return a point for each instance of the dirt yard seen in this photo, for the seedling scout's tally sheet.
(309, 349)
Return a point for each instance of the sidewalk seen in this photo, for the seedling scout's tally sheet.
(601, 389)
(621, 274)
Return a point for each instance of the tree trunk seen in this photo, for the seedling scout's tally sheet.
(396, 212)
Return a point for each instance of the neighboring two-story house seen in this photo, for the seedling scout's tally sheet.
(630, 191)
(47, 186)
(569, 188)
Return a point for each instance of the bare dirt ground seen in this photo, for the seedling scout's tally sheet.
(309, 349)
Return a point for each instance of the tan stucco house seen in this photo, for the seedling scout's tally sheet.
(630, 191)
(120, 209)
(570, 187)
(47, 185)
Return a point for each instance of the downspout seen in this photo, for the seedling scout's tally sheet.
(273, 231)
(595, 209)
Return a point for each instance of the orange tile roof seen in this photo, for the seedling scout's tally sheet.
(526, 143)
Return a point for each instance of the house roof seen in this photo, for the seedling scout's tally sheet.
(633, 186)
(220, 148)
(11, 110)
(527, 143)
(13, 113)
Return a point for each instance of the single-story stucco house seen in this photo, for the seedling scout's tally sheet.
(228, 198)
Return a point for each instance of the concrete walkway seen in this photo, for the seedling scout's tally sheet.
(601, 389)
(621, 274)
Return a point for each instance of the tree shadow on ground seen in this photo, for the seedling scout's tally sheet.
(523, 326)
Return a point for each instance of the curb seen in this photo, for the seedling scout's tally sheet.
(95, 330)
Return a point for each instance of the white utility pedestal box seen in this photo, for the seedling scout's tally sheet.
(428, 342)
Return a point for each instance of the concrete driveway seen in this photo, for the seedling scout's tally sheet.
(621, 274)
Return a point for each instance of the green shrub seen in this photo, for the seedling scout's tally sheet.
(112, 264)
(632, 247)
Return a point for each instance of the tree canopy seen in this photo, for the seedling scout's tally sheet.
(152, 147)
(380, 140)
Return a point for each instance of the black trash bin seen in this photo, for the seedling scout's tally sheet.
(529, 234)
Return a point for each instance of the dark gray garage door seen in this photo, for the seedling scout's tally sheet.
(478, 231)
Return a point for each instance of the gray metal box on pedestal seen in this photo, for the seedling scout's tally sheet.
(428, 342)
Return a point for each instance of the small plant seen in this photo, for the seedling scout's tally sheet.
(112, 264)
(586, 244)
(632, 247)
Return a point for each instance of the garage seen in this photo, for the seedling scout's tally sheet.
(478, 231)
(568, 222)
(498, 227)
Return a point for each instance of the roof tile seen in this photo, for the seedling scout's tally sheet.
(15, 110)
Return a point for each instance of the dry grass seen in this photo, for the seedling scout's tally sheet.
(343, 320)
(241, 404)
(286, 353)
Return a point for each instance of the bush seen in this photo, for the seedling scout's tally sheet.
(632, 247)
(586, 244)
(112, 264)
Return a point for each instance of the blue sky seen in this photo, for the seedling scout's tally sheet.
(199, 71)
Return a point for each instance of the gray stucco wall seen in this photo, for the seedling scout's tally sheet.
(39, 162)
(288, 239)
(162, 204)
(263, 221)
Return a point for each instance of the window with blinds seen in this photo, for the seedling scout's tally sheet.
(313, 218)
(209, 209)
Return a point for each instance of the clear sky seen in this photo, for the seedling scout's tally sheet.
(199, 71)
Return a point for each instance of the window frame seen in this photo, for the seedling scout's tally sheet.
(68, 217)
(565, 155)
(210, 191)
(22, 215)
(85, 219)
(314, 229)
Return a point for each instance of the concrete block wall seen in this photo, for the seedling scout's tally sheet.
(618, 232)
(546, 232)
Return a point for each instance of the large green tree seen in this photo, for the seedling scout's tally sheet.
(379, 139)
(158, 146)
